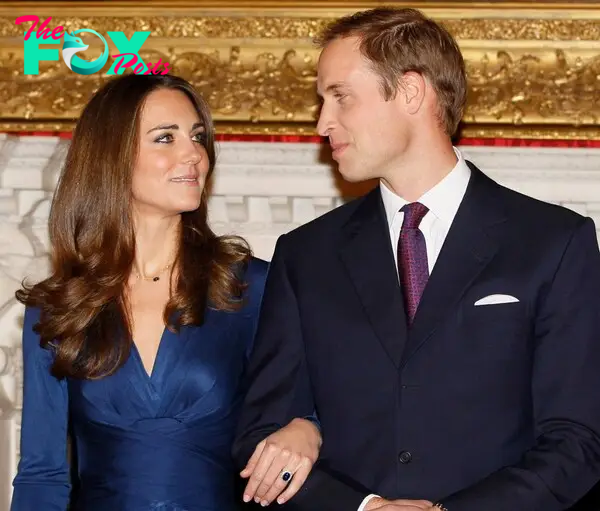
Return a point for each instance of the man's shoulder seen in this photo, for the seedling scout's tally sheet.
(530, 213)
(327, 226)
(535, 213)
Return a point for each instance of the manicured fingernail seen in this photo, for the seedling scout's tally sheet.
(280, 500)
(264, 503)
(246, 498)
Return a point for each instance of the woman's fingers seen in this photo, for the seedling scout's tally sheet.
(296, 482)
(279, 474)
(253, 461)
(262, 466)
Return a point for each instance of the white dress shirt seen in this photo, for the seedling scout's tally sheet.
(442, 201)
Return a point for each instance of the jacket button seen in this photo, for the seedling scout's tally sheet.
(405, 457)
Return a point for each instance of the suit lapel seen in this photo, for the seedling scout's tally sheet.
(469, 246)
(367, 255)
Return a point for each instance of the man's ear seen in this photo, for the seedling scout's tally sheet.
(411, 90)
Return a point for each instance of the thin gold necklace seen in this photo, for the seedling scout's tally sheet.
(154, 278)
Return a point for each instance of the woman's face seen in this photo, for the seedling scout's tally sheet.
(172, 163)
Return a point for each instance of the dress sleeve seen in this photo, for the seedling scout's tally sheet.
(42, 480)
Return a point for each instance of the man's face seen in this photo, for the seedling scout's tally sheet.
(367, 133)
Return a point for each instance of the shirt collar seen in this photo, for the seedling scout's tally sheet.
(442, 200)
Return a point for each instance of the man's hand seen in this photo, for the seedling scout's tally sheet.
(379, 504)
(293, 449)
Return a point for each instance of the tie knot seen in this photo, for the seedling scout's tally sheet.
(413, 214)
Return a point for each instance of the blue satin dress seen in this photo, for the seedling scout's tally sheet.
(143, 443)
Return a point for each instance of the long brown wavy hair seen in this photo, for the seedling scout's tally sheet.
(84, 315)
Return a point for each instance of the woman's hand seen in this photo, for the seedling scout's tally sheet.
(282, 461)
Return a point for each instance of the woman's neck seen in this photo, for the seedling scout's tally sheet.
(156, 243)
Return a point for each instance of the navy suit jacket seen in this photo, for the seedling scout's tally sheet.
(484, 408)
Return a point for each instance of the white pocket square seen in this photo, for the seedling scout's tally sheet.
(496, 299)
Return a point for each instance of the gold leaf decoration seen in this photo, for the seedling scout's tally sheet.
(527, 76)
(264, 27)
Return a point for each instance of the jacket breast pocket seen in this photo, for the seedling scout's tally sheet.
(495, 337)
(494, 315)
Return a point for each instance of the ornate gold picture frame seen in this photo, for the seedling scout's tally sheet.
(534, 67)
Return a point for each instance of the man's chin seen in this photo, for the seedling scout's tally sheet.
(352, 175)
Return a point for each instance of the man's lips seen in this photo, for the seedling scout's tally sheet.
(337, 149)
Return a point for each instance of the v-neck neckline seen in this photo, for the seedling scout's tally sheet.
(150, 377)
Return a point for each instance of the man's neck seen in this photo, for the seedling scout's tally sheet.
(420, 171)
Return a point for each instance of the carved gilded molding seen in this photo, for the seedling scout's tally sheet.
(533, 70)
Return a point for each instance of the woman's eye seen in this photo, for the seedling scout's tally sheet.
(165, 139)
(200, 137)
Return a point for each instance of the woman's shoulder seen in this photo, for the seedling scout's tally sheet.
(255, 276)
(31, 316)
(257, 269)
(30, 338)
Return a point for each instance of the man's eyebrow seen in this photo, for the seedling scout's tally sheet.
(334, 87)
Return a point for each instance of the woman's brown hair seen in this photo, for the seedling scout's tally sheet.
(84, 316)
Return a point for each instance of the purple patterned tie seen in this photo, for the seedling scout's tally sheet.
(412, 257)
